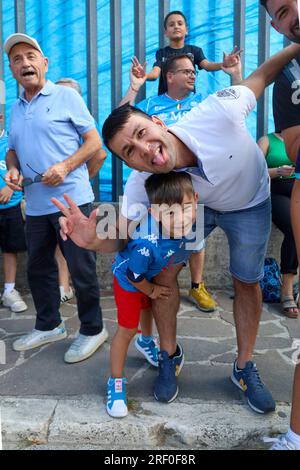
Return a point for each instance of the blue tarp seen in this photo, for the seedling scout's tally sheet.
(60, 28)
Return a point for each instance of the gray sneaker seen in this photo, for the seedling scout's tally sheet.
(84, 346)
(37, 338)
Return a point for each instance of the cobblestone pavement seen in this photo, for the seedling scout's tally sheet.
(208, 341)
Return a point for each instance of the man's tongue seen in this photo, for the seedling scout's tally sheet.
(159, 159)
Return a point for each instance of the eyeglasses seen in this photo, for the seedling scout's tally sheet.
(187, 72)
(28, 181)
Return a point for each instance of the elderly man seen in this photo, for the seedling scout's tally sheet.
(286, 104)
(229, 172)
(47, 157)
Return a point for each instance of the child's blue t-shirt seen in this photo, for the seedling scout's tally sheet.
(147, 254)
(17, 195)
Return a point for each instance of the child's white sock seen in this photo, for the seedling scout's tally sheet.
(8, 287)
(294, 438)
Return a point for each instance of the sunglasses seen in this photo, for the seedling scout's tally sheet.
(29, 181)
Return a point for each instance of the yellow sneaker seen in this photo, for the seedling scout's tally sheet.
(202, 298)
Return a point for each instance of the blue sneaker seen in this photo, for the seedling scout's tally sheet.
(149, 349)
(258, 396)
(166, 387)
(116, 405)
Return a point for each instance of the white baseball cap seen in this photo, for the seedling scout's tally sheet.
(17, 38)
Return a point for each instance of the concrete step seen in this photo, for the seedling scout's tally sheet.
(82, 422)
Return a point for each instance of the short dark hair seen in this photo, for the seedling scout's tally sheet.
(168, 188)
(117, 120)
(264, 4)
(170, 63)
(175, 12)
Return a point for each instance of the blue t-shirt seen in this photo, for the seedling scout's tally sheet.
(147, 254)
(17, 195)
(45, 131)
(168, 109)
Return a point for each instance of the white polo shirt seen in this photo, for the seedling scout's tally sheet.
(232, 173)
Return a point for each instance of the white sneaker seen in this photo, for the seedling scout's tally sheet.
(14, 301)
(281, 443)
(37, 338)
(65, 296)
(84, 346)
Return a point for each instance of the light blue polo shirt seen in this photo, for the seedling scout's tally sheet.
(168, 109)
(46, 131)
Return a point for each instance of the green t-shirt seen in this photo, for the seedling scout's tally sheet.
(277, 155)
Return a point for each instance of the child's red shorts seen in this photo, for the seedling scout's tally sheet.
(129, 305)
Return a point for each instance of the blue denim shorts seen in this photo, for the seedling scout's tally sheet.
(182, 257)
(248, 233)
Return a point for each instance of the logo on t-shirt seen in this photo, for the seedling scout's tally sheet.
(144, 252)
(170, 56)
(228, 94)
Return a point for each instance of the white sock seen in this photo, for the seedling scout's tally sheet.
(63, 292)
(294, 438)
(8, 287)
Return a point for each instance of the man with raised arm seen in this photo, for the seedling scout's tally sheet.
(228, 171)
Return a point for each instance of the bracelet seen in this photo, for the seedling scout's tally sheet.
(278, 171)
(133, 89)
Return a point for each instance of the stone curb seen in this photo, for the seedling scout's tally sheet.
(82, 422)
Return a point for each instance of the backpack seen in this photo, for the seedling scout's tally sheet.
(271, 282)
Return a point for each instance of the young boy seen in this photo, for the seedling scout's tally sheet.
(176, 29)
(159, 242)
(12, 237)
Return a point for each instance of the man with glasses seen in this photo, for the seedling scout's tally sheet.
(178, 100)
(47, 158)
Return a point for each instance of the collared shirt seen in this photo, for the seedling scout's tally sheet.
(232, 173)
(17, 195)
(168, 109)
(45, 131)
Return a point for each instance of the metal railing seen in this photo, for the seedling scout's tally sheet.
(139, 48)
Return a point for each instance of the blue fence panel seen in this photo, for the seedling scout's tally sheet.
(60, 27)
(8, 15)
